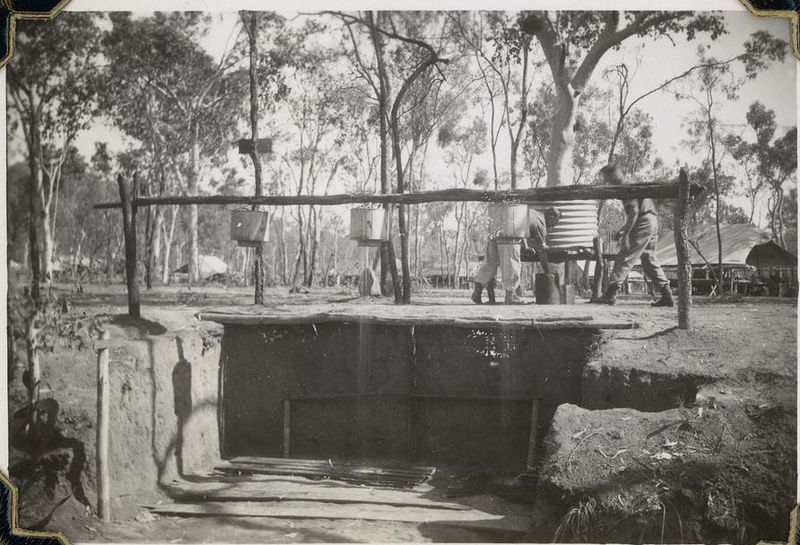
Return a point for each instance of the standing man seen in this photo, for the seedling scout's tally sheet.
(507, 258)
(638, 239)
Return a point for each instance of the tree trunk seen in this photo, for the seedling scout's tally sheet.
(78, 254)
(781, 240)
(562, 139)
(314, 235)
(168, 241)
(336, 258)
(158, 225)
(523, 116)
(259, 268)
(514, 148)
(388, 265)
(148, 250)
(301, 249)
(194, 172)
(47, 245)
(717, 197)
(282, 248)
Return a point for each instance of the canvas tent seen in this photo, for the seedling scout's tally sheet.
(209, 265)
(743, 246)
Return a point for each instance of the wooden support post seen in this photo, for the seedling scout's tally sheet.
(287, 427)
(567, 280)
(259, 268)
(533, 439)
(103, 479)
(129, 230)
(681, 229)
(599, 269)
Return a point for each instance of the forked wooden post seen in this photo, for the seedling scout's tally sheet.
(681, 229)
(129, 230)
(103, 479)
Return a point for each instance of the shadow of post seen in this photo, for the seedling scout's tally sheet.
(182, 392)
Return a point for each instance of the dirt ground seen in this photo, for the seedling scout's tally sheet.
(741, 355)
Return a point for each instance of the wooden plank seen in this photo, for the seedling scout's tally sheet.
(317, 510)
(299, 469)
(327, 465)
(266, 491)
(421, 320)
(369, 475)
(667, 190)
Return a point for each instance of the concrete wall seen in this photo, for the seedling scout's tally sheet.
(163, 420)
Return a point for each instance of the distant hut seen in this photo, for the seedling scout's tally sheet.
(751, 260)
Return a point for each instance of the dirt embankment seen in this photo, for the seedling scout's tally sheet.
(683, 436)
(54, 464)
(686, 435)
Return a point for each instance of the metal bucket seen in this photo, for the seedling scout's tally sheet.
(368, 226)
(578, 224)
(249, 227)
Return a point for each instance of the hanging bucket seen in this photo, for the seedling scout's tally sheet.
(368, 226)
(249, 228)
(577, 227)
(508, 222)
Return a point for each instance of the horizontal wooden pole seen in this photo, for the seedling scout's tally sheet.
(426, 320)
(667, 190)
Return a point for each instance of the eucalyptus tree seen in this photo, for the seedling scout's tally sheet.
(463, 144)
(401, 37)
(52, 96)
(52, 91)
(769, 162)
(318, 136)
(507, 62)
(574, 42)
(174, 97)
(714, 84)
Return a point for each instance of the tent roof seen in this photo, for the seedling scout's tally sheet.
(209, 264)
(738, 240)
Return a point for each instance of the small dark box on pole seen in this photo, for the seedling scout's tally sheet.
(263, 145)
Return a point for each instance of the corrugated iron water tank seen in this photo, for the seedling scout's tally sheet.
(577, 226)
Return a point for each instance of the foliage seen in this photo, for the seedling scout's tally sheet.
(55, 71)
(180, 109)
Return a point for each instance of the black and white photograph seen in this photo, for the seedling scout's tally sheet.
(324, 275)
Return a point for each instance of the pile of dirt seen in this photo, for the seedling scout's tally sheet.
(719, 471)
